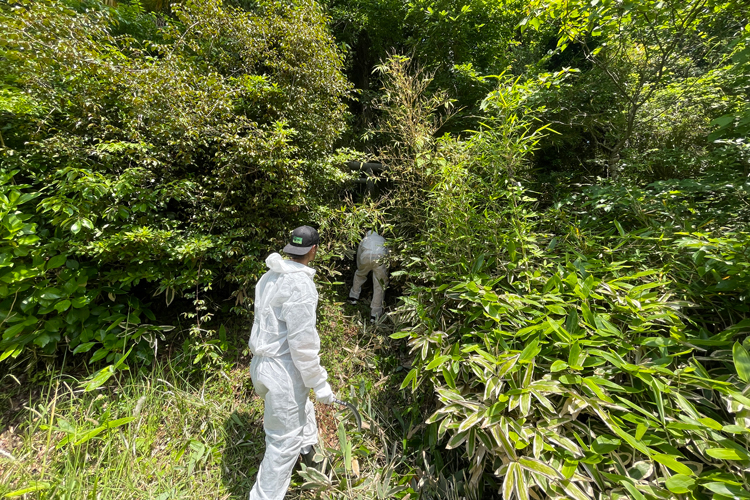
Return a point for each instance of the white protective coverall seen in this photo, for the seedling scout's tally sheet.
(285, 365)
(370, 257)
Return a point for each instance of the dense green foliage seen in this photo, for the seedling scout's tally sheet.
(591, 349)
(146, 159)
(565, 192)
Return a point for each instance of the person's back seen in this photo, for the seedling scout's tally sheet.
(371, 256)
(286, 283)
(371, 249)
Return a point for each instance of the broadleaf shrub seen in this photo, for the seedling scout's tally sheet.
(158, 160)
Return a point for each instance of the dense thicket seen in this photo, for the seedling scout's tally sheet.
(148, 159)
(593, 345)
(565, 192)
(630, 87)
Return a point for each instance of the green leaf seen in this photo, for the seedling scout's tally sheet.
(100, 353)
(575, 352)
(86, 436)
(34, 486)
(400, 335)
(13, 330)
(457, 439)
(680, 483)
(741, 361)
(711, 423)
(51, 294)
(637, 495)
(502, 439)
(539, 467)
(604, 445)
(522, 489)
(531, 350)
(619, 228)
(12, 350)
(734, 429)
(409, 376)
(119, 422)
(84, 347)
(62, 306)
(57, 261)
(437, 362)
(729, 490)
(448, 376)
(509, 482)
(591, 384)
(727, 454)
(640, 430)
(558, 366)
(671, 462)
(659, 342)
(99, 378)
(658, 400)
(574, 491)
(469, 421)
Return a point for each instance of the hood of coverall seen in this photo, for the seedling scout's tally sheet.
(277, 263)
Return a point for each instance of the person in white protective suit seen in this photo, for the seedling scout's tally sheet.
(285, 363)
(371, 257)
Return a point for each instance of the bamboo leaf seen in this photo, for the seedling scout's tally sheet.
(522, 488)
(529, 351)
(409, 376)
(574, 491)
(727, 454)
(502, 439)
(711, 423)
(637, 495)
(456, 440)
(741, 361)
(437, 362)
(539, 467)
(469, 422)
(680, 483)
(672, 462)
(509, 483)
(558, 366)
(658, 400)
(729, 490)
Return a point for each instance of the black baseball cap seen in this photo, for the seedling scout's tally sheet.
(302, 240)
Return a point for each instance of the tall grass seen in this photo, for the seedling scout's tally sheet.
(173, 434)
(180, 439)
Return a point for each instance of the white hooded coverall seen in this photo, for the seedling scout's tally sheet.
(285, 366)
(370, 257)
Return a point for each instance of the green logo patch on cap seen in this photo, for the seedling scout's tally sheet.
(297, 240)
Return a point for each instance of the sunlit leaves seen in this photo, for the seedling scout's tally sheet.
(159, 161)
(582, 340)
(741, 361)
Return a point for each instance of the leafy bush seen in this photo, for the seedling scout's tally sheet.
(585, 383)
(571, 351)
(161, 163)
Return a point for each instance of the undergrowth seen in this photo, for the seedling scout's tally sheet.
(172, 433)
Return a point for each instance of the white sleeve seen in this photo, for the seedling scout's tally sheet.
(304, 344)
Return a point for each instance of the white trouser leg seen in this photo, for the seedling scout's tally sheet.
(359, 278)
(288, 419)
(379, 283)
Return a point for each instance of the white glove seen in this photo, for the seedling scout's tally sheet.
(324, 393)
